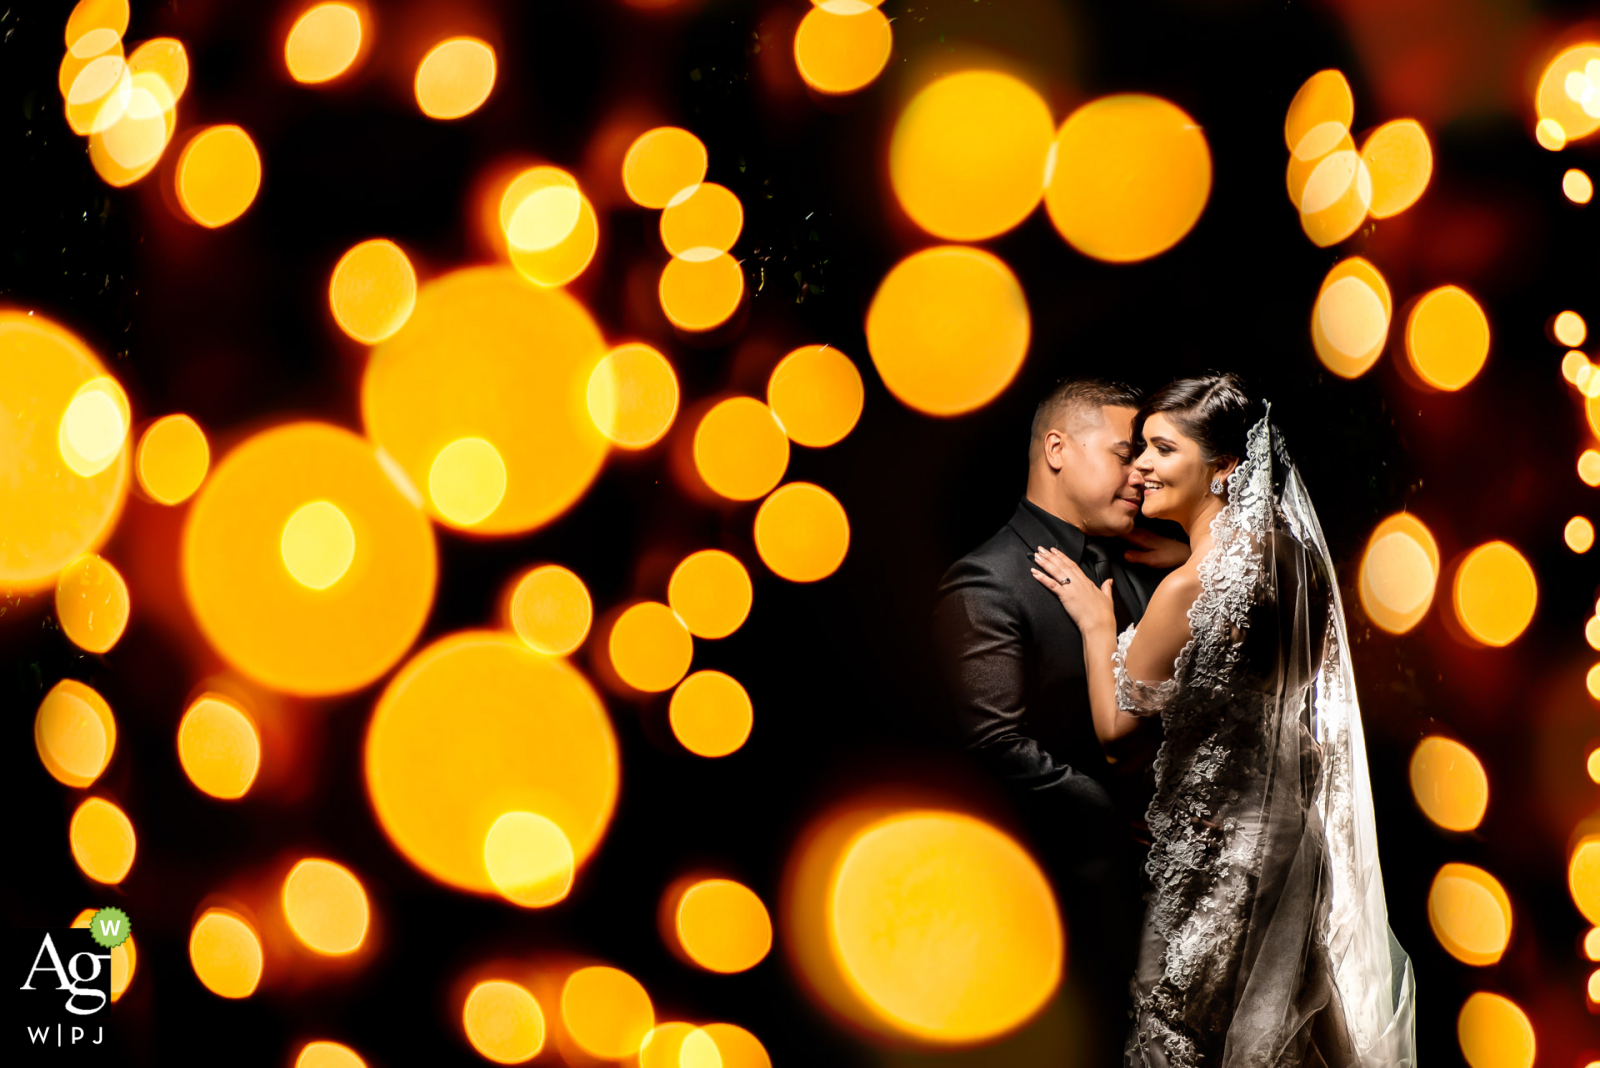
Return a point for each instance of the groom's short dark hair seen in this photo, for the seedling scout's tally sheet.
(1071, 396)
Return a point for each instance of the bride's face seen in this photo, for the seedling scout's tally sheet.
(1177, 478)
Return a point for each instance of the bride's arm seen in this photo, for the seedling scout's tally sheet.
(1161, 636)
(1092, 610)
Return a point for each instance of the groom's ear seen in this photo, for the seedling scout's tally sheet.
(1054, 451)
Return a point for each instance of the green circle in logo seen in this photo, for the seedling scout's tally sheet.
(110, 927)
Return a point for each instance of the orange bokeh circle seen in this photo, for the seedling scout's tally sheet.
(247, 602)
(487, 356)
(49, 514)
(477, 725)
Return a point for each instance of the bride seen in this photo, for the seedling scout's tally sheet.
(1266, 939)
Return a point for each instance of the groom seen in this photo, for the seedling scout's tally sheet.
(1014, 661)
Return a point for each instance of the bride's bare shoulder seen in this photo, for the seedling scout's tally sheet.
(1177, 591)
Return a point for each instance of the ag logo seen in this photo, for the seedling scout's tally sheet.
(64, 989)
(82, 974)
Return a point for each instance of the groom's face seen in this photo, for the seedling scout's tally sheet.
(1097, 474)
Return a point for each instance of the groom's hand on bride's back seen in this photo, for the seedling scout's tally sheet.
(1154, 550)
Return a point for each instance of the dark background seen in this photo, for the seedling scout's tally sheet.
(232, 327)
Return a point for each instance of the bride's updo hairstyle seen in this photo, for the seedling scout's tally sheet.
(1214, 410)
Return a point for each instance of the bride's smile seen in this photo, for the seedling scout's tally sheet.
(1177, 477)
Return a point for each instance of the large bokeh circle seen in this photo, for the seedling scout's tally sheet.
(273, 628)
(49, 514)
(1130, 177)
(948, 329)
(923, 924)
(968, 154)
(477, 725)
(487, 355)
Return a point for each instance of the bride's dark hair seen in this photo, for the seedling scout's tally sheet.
(1216, 410)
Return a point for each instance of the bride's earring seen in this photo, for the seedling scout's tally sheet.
(1216, 486)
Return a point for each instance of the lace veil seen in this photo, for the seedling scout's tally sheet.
(1318, 919)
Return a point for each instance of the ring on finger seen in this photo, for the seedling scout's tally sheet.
(1040, 556)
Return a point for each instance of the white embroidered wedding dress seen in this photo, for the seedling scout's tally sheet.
(1266, 939)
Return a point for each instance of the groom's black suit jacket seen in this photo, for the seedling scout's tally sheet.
(1014, 662)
